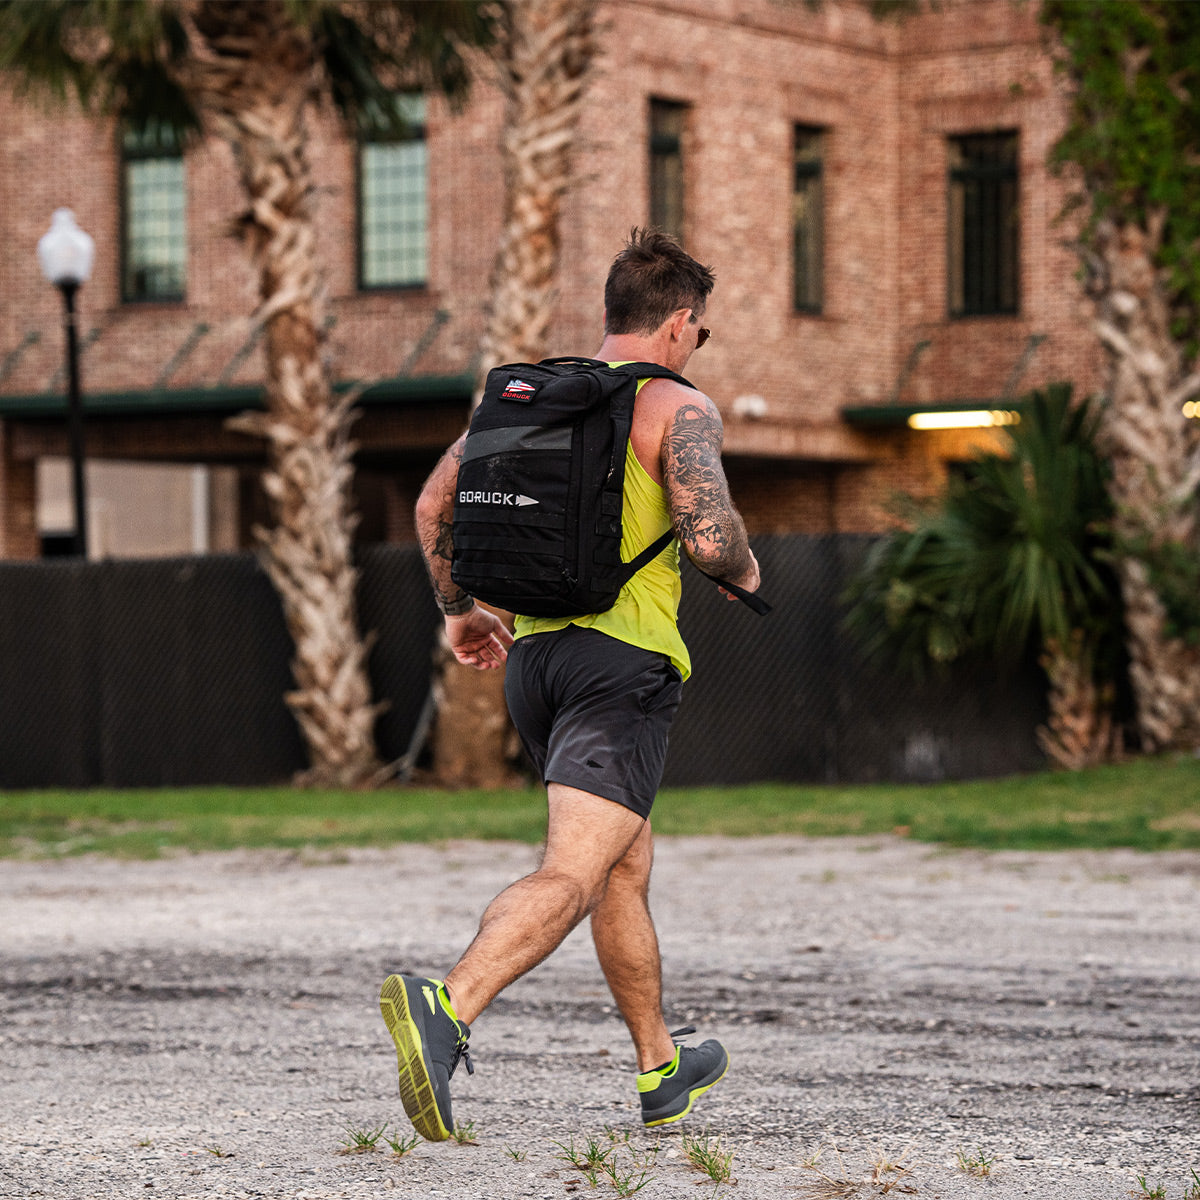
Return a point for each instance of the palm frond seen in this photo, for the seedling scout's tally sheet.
(372, 48)
(1009, 560)
(117, 57)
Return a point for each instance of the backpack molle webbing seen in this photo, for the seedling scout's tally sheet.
(537, 510)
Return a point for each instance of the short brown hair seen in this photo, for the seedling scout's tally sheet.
(649, 280)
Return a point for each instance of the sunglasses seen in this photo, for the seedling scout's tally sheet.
(702, 337)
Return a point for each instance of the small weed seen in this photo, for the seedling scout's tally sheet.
(464, 1135)
(884, 1166)
(705, 1154)
(624, 1183)
(144, 1142)
(515, 1155)
(402, 1146)
(1193, 1192)
(810, 1163)
(826, 1186)
(886, 1176)
(217, 1152)
(588, 1160)
(977, 1164)
(361, 1141)
(1157, 1192)
(597, 1159)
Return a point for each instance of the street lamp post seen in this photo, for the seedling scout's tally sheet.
(66, 254)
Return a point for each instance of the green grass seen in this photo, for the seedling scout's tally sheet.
(1147, 804)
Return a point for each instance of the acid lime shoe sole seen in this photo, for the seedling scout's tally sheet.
(693, 1096)
(416, 1089)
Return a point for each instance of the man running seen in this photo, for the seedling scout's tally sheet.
(592, 699)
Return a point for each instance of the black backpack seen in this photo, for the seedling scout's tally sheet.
(537, 507)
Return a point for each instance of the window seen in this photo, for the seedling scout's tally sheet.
(808, 219)
(393, 174)
(983, 227)
(667, 123)
(154, 227)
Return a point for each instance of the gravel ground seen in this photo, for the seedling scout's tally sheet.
(206, 1026)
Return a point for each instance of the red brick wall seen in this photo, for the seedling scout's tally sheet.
(887, 92)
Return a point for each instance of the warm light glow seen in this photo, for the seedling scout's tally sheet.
(1192, 409)
(973, 419)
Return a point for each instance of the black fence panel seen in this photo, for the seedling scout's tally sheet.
(395, 604)
(194, 667)
(49, 675)
(172, 672)
(789, 697)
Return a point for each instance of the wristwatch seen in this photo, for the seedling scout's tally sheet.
(457, 608)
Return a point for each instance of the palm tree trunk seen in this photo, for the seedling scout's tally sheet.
(254, 71)
(1155, 457)
(1079, 729)
(544, 60)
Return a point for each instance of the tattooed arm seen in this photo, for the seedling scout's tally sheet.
(708, 526)
(434, 520)
(477, 637)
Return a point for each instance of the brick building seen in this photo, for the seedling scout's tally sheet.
(873, 195)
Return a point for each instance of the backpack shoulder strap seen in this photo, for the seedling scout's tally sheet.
(563, 359)
(646, 370)
(639, 370)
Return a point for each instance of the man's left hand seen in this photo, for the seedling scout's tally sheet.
(479, 639)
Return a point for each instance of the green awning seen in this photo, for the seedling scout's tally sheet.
(160, 402)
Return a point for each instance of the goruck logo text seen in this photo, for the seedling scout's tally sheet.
(506, 499)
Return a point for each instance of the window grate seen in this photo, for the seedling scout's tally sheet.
(808, 219)
(154, 225)
(668, 123)
(393, 187)
(983, 229)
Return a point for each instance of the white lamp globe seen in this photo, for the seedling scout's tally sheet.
(65, 253)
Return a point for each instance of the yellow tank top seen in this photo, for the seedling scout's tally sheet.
(647, 609)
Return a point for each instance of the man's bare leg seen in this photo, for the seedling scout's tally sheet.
(586, 837)
(627, 948)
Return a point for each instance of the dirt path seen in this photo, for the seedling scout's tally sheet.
(206, 1026)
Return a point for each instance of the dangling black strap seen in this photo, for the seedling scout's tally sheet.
(752, 600)
(643, 370)
(650, 553)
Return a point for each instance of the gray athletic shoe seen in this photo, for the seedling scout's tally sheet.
(429, 1040)
(668, 1094)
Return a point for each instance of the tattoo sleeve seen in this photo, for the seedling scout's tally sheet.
(434, 521)
(708, 526)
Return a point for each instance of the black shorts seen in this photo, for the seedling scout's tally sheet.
(593, 712)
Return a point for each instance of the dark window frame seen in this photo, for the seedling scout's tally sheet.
(808, 184)
(153, 142)
(667, 180)
(983, 224)
(380, 131)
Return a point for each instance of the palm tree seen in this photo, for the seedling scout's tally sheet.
(249, 73)
(1133, 140)
(1012, 558)
(1155, 455)
(544, 54)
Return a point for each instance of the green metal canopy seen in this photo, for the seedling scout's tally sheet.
(411, 389)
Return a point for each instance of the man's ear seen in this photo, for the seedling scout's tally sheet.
(678, 323)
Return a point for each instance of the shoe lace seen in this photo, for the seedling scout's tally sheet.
(461, 1051)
